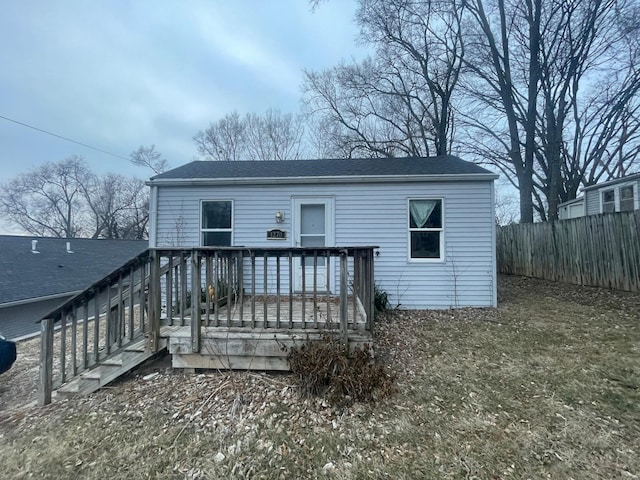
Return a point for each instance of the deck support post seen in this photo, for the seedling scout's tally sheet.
(155, 301)
(196, 332)
(344, 285)
(46, 362)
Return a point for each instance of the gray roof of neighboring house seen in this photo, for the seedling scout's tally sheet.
(446, 165)
(615, 181)
(53, 271)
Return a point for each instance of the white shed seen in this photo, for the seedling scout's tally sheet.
(432, 219)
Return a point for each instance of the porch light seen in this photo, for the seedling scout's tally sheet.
(279, 217)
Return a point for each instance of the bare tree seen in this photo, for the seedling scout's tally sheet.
(545, 91)
(272, 136)
(224, 140)
(65, 199)
(48, 201)
(400, 102)
(119, 206)
(150, 158)
(555, 88)
(586, 133)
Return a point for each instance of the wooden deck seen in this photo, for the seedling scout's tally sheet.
(220, 308)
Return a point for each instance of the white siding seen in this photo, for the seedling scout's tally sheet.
(593, 200)
(364, 214)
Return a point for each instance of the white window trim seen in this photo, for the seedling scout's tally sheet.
(617, 195)
(441, 259)
(634, 198)
(616, 204)
(203, 230)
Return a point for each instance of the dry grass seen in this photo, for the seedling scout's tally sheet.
(547, 386)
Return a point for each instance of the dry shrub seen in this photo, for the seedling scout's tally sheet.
(326, 369)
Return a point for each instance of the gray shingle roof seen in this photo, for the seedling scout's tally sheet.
(359, 167)
(53, 271)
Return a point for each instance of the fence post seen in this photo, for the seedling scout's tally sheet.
(344, 286)
(46, 362)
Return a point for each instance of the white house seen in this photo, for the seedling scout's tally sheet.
(432, 219)
(617, 195)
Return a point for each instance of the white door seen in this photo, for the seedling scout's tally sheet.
(312, 229)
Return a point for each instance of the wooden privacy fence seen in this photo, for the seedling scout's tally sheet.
(597, 250)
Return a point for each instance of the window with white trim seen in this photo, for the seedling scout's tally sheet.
(608, 201)
(216, 227)
(626, 198)
(425, 229)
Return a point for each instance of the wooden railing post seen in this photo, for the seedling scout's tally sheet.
(196, 332)
(370, 287)
(155, 301)
(46, 362)
(344, 288)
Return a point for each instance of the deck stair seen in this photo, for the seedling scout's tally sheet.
(112, 367)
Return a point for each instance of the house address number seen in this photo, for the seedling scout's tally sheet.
(276, 234)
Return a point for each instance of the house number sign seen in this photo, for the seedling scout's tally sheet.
(276, 234)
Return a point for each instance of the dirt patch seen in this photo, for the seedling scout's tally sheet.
(547, 385)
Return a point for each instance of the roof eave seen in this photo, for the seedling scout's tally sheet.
(25, 301)
(630, 178)
(463, 177)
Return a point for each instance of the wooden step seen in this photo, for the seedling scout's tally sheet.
(110, 369)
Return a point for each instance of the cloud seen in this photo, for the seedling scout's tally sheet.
(120, 74)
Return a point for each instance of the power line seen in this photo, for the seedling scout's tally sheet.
(63, 138)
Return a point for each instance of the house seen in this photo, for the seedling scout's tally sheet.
(431, 219)
(617, 195)
(40, 273)
(248, 259)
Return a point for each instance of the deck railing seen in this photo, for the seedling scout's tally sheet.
(277, 288)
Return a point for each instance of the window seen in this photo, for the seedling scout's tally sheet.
(626, 198)
(608, 201)
(425, 229)
(216, 223)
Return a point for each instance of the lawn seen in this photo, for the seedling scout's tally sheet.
(545, 386)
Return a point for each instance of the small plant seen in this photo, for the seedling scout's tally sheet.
(325, 369)
(380, 298)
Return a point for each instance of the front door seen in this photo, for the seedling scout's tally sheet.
(312, 228)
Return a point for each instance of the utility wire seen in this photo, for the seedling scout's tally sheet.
(63, 138)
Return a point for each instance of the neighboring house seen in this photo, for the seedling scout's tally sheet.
(571, 209)
(432, 218)
(617, 195)
(38, 274)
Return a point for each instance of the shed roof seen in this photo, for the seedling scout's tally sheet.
(53, 271)
(361, 169)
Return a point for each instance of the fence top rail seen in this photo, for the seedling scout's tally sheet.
(270, 251)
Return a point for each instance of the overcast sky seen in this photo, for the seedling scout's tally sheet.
(120, 74)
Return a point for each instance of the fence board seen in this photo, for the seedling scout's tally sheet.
(596, 250)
